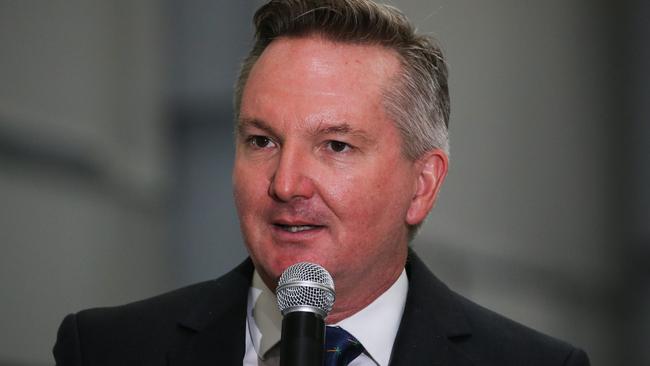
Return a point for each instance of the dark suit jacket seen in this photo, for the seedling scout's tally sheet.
(204, 324)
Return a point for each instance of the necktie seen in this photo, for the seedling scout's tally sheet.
(340, 347)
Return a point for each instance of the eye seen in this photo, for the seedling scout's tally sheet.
(338, 146)
(260, 141)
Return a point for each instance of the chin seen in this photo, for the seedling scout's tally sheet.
(275, 256)
(281, 260)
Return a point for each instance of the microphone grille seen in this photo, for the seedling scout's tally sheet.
(305, 286)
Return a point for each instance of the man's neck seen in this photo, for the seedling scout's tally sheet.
(351, 301)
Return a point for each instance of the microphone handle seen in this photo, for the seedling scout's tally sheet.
(303, 339)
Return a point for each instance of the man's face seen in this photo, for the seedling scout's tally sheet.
(319, 172)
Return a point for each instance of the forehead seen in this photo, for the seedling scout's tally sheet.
(323, 57)
(309, 74)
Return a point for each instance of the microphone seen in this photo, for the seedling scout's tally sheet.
(305, 295)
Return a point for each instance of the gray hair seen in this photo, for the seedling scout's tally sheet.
(417, 99)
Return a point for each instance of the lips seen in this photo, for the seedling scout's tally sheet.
(297, 228)
(297, 225)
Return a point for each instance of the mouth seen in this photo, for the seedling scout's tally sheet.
(297, 228)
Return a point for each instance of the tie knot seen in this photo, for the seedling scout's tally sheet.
(340, 347)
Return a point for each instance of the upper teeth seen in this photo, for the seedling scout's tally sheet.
(295, 229)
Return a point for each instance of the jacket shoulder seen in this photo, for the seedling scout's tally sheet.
(141, 332)
(498, 340)
(155, 310)
(473, 335)
(131, 334)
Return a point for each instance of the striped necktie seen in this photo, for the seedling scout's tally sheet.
(340, 347)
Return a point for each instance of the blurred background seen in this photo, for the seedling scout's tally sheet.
(116, 150)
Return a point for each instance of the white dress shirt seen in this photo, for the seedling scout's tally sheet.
(375, 326)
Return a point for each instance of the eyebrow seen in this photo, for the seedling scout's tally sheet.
(341, 129)
(256, 123)
(323, 128)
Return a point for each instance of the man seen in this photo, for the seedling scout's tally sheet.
(341, 149)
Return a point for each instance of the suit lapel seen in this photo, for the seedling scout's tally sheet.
(215, 327)
(432, 320)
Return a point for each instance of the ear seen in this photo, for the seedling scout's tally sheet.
(431, 172)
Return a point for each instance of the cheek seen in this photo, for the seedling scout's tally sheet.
(364, 200)
(248, 191)
(250, 177)
(239, 192)
(371, 201)
(349, 195)
(338, 188)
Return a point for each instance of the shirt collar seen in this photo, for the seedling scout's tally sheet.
(264, 317)
(375, 326)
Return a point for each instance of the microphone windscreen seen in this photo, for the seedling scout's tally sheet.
(307, 287)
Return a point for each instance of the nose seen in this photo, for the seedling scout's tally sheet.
(290, 179)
